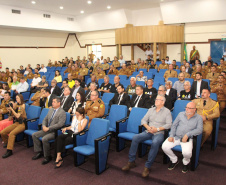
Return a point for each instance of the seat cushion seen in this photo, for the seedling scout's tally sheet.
(50, 141)
(84, 149)
(112, 129)
(177, 148)
(69, 146)
(148, 142)
(126, 135)
(30, 132)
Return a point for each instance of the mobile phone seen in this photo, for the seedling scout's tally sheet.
(65, 133)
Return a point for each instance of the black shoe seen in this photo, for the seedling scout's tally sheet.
(7, 154)
(185, 169)
(46, 160)
(37, 156)
(172, 165)
(4, 145)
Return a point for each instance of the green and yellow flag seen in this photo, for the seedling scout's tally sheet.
(185, 52)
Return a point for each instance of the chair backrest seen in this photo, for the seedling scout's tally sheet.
(98, 128)
(122, 77)
(88, 81)
(29, 101)
(26, 107)
(153, 71)
(111, 77)
(191, 80)
(33, 112)
(179, 106)
(43, 115)
(68, 116)
(213, 96)
(107, 97)
(135, 118)
(117, 112)
(173, 80)
(162, 71)
(140, 83)
(207, 80)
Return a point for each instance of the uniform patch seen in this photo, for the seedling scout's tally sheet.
(101, 106)
(99, 101)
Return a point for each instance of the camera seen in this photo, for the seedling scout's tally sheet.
(9, 105)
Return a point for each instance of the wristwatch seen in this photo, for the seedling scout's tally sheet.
(158, 129)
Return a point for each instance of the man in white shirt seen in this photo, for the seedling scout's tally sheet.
(149, 52)
(26, 71)
(101, 59)
(22, 87)
(121, 60)
(199, 85)
(167, 61)
(43, 69)
(35, 82)
(15, 83)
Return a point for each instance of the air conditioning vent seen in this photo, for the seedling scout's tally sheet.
(16, 11)
(70, 19)
(46, 15)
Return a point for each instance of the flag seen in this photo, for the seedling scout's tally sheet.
(185, 52)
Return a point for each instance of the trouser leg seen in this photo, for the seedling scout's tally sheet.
(167, 149)
(6, 131)
(46, 144)
(36, 141)
(187, 151)
(207, 130)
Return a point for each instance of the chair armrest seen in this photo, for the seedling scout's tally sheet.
(39, 126)
(79, 138)
(121, 125)
(32, 120)
(166, 134)
(103, 138)
(141, 128)
(122, 120)
(105, 116)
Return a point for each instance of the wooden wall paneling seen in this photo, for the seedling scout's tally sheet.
(154, 51)
(132, 52)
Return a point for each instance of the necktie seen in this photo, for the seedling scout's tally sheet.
(119, 98)
(204, 103)
(213, 74)
(136, 101)
(47, 102)
(62, 92)
(62, 103)
(170, 72)
(51, 118)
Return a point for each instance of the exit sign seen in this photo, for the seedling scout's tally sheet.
(223, 39)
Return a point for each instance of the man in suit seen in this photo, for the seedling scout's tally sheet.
(139, 99)
(209, 110)
(77, 88)
(66, 99)
(120, 98)
(47, 99)
(199, 85)
(54, 120)
(162, 92)
(54, 89)
(64, 84)
(188, 69)
(171, 92)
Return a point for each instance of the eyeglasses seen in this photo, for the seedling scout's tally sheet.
(189, 108)
(93, 95)
(160, 90)
(158, 100)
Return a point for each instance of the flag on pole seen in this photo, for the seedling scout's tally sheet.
(185, 52)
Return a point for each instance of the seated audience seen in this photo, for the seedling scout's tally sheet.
(42, 84)
(141, 77)
(198, 69)
(78, 124)
(154, 131)
(21, 87)
(54, 120)
(66, 99)
(43, 69)
(37, 96)
(115, 85)
(64, 85)
(174, 63)
(186, 125)
(14, 84)
(69, 69)
(212, 76)
(171, 92)
(116, 63)
(150, 90)
(77, 87)
(187, 94)
(183, 70)
(92, 88)
(131, 89)
(35, 82)
(94, 108)
(8, 135)
(120, 98)
(71, 82)
(93, 79)
(10, 82)
(54, 89)
(113, 71)
(209, 110)
(79, 102)
(171, 73)
(30, 75)
(105, 66)
(106, 86)
(179, 85)
(124, 71)
(188, 69)
(153, 65)
(46, 99)
(198, 85)
(163, 65)
(99, 73)
(3, 109)
(58, 77)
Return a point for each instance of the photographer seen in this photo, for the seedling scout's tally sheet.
(18, 114)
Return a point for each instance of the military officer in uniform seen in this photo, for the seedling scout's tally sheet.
(183, 70)
(99, 73)
(209, 110)
(142, 65)
(4, 77)
(116, 63)
(83, 71)
(74, 72)
(212, 76)
(69, 69)
(5, 101)
(30, 75)
(198, 69)
(153, 65)
(50, 64)
(134, 66)
(163, 65)
(170, 73)
(219, 87)
(222, 66)
(174, 63)
(124, 71)
(94, 108)
(113, 71)
(105, 65)
(36, 98)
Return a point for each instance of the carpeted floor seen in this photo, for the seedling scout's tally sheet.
(20, 169)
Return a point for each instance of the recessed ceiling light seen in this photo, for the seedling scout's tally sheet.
(89, 2)
(82, 11)
(108, 7)
(61, 7)
(33, 2)
(162, 0)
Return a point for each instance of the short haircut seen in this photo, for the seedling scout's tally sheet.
(214, 66)
(198, 65)
(54, 80)
(133, 78)
(22, 78)
(68, 88)
(106, 76)
(163, 59)
(207, 90)
(163, 97)
(187, 82)
(170, 82)
(44, 77)
(142, 88)
(221, 75)
(65, 81)
(150, 79)
(120, 85)
(47, 90)
(163, 87)
(198, 73)
(97, 93)
(7, 92)
(57, 98)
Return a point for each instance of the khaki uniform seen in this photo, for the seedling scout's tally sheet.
(170, 74)
(4, 78)
(221, 68)
(36, 99)
(30, 76)
(113, 72)
(187, 75)
(100, 75)
(134, 67)
(212, 77)
(94, 109)
(144, 66)
(68, 70)
(10, 132)
(161, 66)
(175, 67)
(50, 64)
(124, 72)
(19, 76)
(194, 54)
(116, 63)
(7, 74)
(96, 66)
(3, 108)
(74, 74)
(220, 90)
(211, 111)
(105, 66)
(207, 69)
(83, 71)
(153, 66)
(57, 65)
(194, 74)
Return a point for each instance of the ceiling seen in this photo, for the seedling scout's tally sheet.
(73, 7)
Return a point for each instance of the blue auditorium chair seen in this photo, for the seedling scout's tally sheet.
(111, 76)
(173, 80)
(29, 101)
(95, 141)
(162, 71)
(122, 77)
(153, 71)
(191, 80)
(128, 127)
(32, 124)
(140, 83)
(106, 99)
(207, 80)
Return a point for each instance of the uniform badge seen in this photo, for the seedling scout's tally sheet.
(101, 106)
